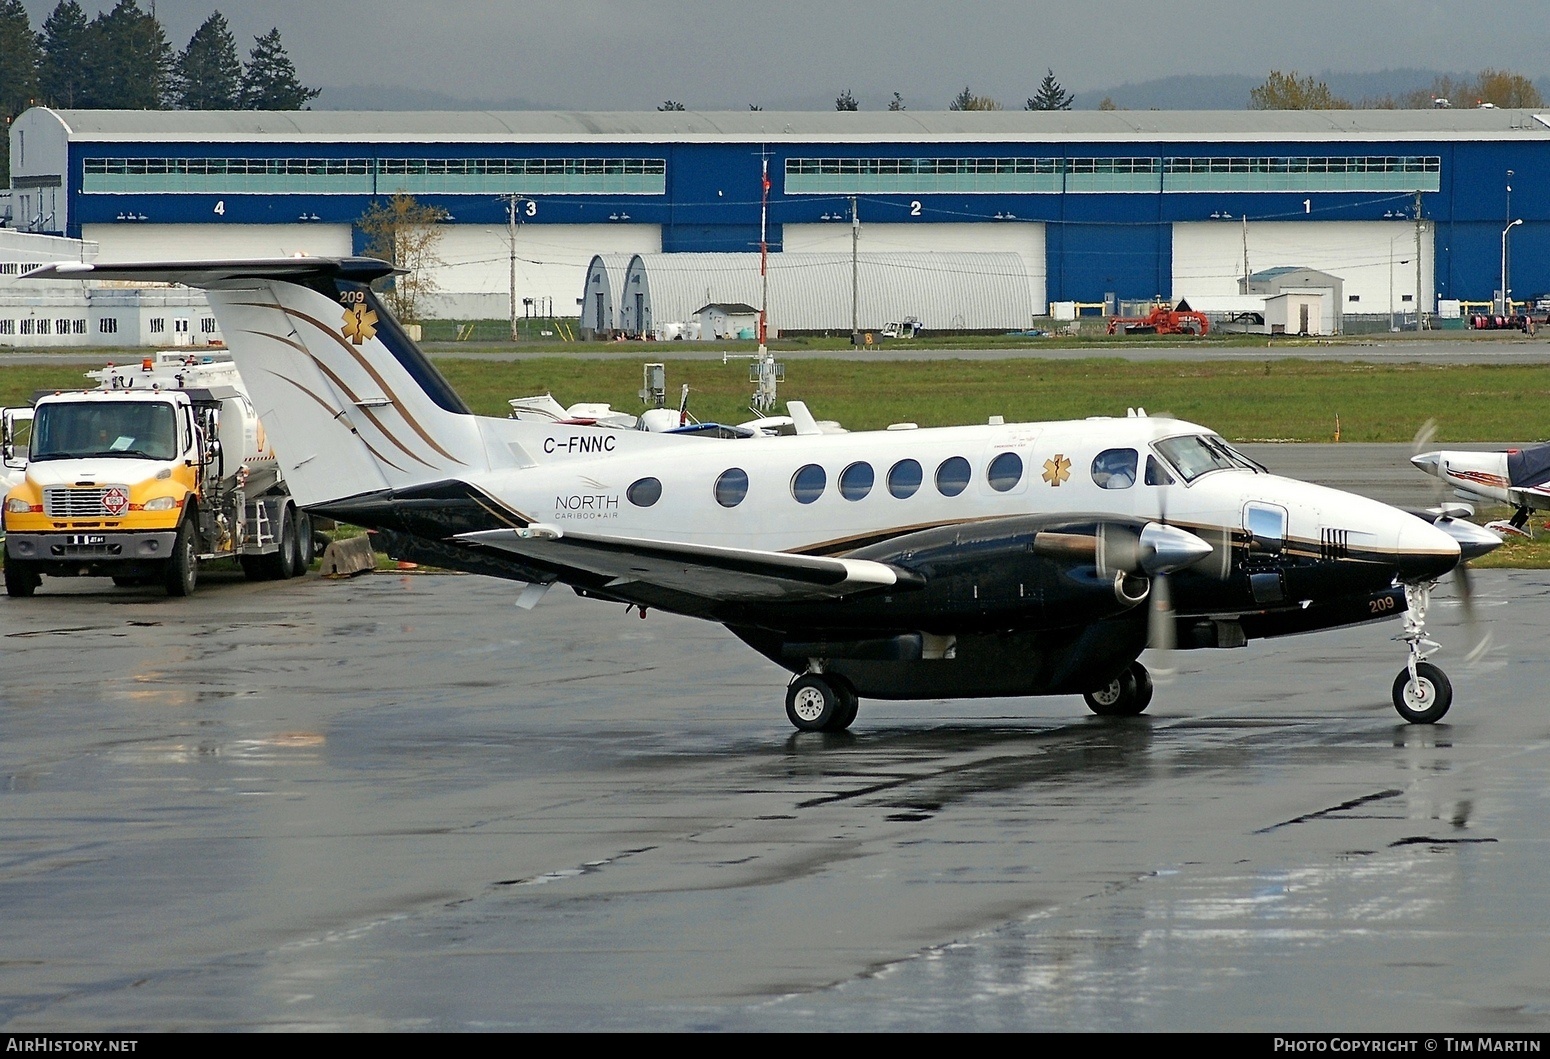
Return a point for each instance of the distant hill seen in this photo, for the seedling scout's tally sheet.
(1231, 91)
(398, 97)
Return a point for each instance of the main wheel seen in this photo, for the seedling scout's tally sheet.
(1425, 699)
(812, 703)
(304, 542)
(183, 564)
(21, 580)
(850, 703)
(1118, 698)
(1144, 686)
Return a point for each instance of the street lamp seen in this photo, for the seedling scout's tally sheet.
(1506, 294)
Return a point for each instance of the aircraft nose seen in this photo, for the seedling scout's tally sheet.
(1430, 462)
(1423, 552)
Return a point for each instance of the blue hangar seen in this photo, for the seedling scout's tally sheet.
(1403, 206)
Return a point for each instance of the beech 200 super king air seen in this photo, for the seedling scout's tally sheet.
(994, 560)
(1519, 477)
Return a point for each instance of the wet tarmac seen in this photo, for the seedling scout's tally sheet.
(399, 803)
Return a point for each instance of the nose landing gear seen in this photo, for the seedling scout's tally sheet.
(821, 702)
(1422, 692)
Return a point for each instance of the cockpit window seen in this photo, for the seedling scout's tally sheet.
(1156, 473)
(1196, 454)
(1115, 468)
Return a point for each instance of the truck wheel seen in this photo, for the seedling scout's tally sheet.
(183, 565)
(304, 553)
(282, 563)
(20, 579)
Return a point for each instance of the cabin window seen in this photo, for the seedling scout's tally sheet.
(1004, 472)
(904, 478)
(856, 481)
(645, 492)
(952, 477)
(1115, 468)
(808, 483)
(731, 487)
(1156, 473)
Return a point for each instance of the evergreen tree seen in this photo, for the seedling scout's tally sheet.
(1051, 95)
(671, 104)
(846, 101)
(19, 59)
(270, 81)
(62, 73)
(896, 103)
(128, 63)
(967, 100)
(209, 74)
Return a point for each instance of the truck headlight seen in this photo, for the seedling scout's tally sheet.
(17, 506)
(161, 503)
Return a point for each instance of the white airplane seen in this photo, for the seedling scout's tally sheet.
(994, 560)
(1519, 477)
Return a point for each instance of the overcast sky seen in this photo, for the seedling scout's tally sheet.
(727, 54)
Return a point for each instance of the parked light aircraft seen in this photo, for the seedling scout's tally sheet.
(1519, 477)
(994, 560)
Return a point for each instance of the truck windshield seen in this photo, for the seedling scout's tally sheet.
(69, 430)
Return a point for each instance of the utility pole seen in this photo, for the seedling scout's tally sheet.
(1245, 251)
(764, 253)
(511, 239)
(1420, 228)
(855, 275)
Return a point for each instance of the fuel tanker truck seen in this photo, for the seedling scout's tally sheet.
(158, 467)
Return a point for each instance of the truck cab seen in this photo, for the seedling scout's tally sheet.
(145, 476)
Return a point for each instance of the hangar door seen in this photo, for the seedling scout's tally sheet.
(1026, 239)
(206, 242)
(1375, 260)
(474, 280)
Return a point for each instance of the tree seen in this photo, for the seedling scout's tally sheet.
(208, 72)
(1506, 89)
(62, 73)
(1107, 103)
(19, 57)
(1282, 91)
(128, 62)
(1051, 95)
(670, 104)
(845, 101)
(406, 232)
(755, 106)
(896, 103)
(269, 82)
(967, 100)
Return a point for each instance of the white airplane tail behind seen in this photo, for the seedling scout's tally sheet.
(360, 407)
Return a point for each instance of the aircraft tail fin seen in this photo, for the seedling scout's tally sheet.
(354, 405)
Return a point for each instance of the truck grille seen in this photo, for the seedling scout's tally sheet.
(65, 502)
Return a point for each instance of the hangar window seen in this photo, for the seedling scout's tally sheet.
(644, 492)
(904, 478)
(808, 483)
(731, 487)
(952, 477)
(1115, 468)
(856, 481)
(1004, 472)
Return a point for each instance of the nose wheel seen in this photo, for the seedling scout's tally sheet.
(821, 702)
(1125, 696)
(1422, 691)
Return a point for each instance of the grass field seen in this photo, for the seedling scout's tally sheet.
(1290, 400)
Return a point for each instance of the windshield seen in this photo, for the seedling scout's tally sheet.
(1197, 454)
(143, 429)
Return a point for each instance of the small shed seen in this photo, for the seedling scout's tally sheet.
(1301, 312)
(1292, 279)
(727, 320)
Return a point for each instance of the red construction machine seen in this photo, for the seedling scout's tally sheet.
(1162, 321)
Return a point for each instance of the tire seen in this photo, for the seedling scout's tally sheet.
(811, 703)
(850, 704)
(182, 571)
(1117, 698)
(21, 580)
(1426, 701)
(1144, 687)
(305, 548)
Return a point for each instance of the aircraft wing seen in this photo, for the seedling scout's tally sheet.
(643, 570)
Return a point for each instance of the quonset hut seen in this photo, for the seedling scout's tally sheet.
(1402, 205)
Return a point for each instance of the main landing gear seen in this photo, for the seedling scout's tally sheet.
(1422, 693)
(821, 702)
(1125, 696)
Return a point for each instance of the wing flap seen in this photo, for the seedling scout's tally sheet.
(732, 575)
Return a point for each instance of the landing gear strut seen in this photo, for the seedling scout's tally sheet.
(1125, 696)
(821, 702)
(1422, 692)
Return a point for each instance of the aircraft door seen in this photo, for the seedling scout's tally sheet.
(1266, 526)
